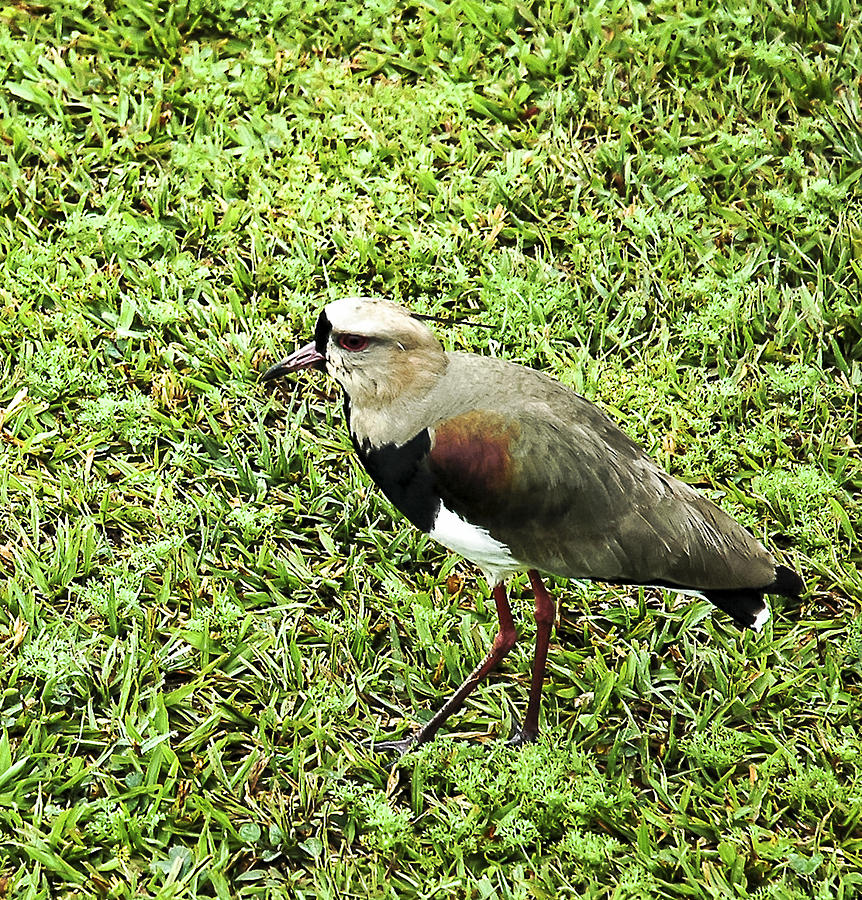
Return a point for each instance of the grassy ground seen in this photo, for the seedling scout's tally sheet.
(207, 608)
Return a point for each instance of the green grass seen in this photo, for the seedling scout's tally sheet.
(206, 608)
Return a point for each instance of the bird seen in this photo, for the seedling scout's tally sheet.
(516, 472)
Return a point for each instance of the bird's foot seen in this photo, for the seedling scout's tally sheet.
(399, 747)
(519, 737)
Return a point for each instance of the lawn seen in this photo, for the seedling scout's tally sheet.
(206, 608)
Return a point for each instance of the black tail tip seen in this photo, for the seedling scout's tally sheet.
(747, 606)
(787, 583)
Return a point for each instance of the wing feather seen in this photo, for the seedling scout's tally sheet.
(581, 499)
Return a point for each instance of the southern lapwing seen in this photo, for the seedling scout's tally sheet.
(516, 472)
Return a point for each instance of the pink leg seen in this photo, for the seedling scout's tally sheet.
(503, 643)
(545, 613)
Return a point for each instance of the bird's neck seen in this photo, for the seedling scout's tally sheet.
(394, 410)
(377, 425)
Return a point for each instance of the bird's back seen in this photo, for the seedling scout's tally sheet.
(550, 475)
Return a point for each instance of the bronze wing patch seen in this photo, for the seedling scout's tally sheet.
(472, 462)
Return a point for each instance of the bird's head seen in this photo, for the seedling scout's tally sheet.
(376, 350)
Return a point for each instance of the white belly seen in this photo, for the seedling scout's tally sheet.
(474, 543)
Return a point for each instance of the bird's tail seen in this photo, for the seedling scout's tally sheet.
(747, 606)
(787, 583)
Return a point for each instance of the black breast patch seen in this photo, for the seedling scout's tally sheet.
(403, 474)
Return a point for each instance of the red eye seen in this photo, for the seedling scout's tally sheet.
(352, 342)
